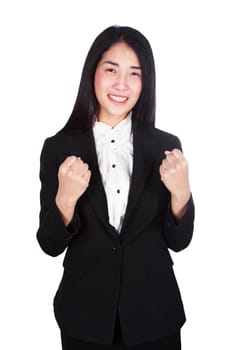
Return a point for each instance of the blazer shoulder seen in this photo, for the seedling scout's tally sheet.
(166, 139)
(64, 144)
(61, 138)
(52, 145)
(163, 134)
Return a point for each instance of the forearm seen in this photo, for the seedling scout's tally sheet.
(179, 205)
(66, 209)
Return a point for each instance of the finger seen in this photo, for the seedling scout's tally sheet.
(161, 170)
(167, 163)
(165, 166)
(84, 169)
(84, 180)
(69, 161)
(171, 158)
(87, 176)
(79, 167)
(164, 163)
(181, 160)
(177, 153)
(164, 173)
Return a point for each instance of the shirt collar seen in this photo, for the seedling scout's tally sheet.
(122, 130)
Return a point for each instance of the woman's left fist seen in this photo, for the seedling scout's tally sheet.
(174, 174)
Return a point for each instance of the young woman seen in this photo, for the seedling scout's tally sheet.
(115, 195)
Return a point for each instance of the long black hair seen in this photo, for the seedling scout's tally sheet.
(82, 116)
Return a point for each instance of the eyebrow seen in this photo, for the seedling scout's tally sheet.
(117, 64)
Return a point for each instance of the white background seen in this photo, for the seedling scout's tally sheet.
(43, 47)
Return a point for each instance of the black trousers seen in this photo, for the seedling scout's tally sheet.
(172, 342)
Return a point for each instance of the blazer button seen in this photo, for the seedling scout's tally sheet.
(116, 248)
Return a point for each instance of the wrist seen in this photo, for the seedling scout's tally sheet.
(181, 197)
(66, 209)
(63, 202)
(179, 205)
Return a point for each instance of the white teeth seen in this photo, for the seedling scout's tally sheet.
(118, 98)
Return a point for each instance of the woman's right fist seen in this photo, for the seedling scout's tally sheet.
(73, 180)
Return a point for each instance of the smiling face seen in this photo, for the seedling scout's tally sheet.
(117, 83)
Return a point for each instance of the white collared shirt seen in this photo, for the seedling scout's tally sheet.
(114, 148)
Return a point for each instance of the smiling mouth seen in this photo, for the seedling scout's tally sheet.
(118, 99)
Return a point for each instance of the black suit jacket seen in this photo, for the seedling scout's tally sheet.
(105, 271)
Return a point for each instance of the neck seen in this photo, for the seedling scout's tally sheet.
(112, 121)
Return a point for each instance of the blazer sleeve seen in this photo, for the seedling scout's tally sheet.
(53, 236)
(178, 235)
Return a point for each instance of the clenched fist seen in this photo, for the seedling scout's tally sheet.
(174, 175)
(73, 180)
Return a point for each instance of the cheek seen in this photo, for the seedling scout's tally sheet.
(137, 88)
(99, 81)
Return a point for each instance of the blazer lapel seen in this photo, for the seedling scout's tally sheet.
(96, 191)
(144, 156)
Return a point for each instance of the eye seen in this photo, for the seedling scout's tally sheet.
(136, 74)
(110, 70)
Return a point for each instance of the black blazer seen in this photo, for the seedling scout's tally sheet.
(105, 271)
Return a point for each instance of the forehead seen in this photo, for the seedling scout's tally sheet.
(121, 52)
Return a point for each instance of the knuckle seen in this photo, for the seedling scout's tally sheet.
(71, 158)
(62, 169)
(172, 170)
(184, 163)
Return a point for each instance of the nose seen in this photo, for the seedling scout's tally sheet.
(121, 82)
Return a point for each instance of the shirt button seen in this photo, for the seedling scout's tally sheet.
(118, 191)
(116, 248)
(114, 165)
(112, 141)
